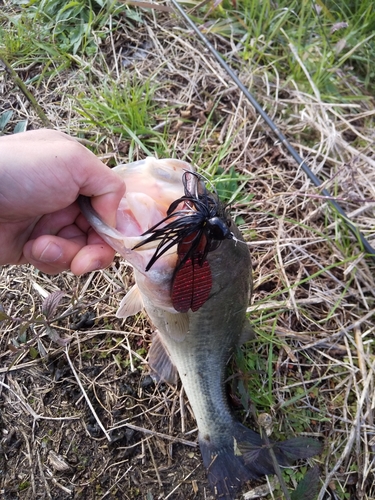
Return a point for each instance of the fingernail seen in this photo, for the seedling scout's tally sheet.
(51, 253)
(94, 265)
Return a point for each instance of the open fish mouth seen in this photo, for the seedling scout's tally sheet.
(167, 223)
(152, 186)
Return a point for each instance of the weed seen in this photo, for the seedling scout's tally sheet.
(125, 110)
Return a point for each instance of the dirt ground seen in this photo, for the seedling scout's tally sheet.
(52, 446)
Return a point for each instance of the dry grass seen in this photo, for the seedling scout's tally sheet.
(313, 303)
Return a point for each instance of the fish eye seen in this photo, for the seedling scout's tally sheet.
(218, 229)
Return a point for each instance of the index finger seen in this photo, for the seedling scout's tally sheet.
(100, 183)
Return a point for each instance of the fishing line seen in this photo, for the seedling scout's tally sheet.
(355, 231)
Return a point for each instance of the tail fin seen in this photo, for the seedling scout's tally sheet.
(247, 457)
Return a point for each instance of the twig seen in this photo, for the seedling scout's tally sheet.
(262, 490)
(158, 434)
(31, 411)
(360, 352)
(154, 464)
(116, 483)
(31, 462)
(78, 307)
(179, 484)
(275, 463)
(59, 485)
(17, 80)
(86, 396)
(43, 476)
(352, 435)
(12, 368)
(182, 410)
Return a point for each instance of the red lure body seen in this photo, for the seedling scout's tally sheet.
(192, 281)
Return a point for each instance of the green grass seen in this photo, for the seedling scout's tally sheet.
(72, 27)
(59, 34)
(267, 31)
(126, 110)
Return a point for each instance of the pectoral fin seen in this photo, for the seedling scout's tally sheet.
(176, 325)
(131, 304)
(160, 362)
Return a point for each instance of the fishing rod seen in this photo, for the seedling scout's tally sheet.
(281, 137)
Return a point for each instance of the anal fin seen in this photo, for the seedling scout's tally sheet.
(160, 362)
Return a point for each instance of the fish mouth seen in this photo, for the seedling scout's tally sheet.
(166, 210)
(152, 185)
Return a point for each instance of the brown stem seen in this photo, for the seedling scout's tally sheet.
(20, 84)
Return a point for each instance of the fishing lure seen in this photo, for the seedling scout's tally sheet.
(197, 228)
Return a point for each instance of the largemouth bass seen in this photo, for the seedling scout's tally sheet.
(193, 278)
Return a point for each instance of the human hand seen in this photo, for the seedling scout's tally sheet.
(42, 172)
